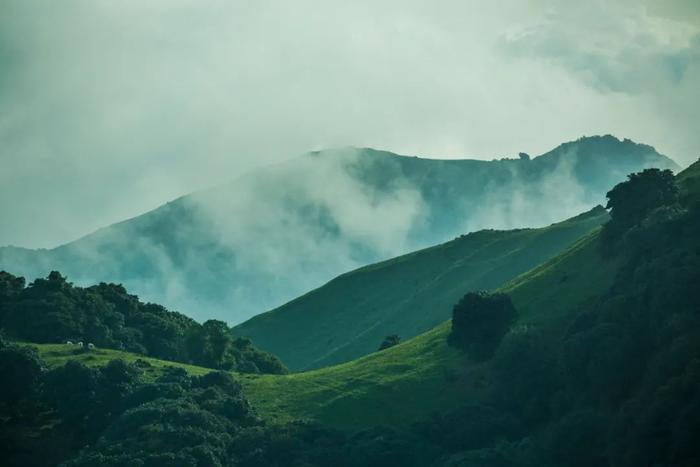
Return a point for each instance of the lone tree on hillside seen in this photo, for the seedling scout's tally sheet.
(630, 201)
(390, 341)
(479, 322)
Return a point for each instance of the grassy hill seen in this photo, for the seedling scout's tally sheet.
(425, 375)
(412, 380)
(58, 354)
(348, 317)
(248, 246)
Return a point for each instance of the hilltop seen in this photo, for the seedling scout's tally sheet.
(241, 248)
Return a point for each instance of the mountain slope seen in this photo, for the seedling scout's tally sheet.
(247, 246)
(558, 298)
(425, 375)
(349, 316)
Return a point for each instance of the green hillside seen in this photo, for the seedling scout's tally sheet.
(599, 368)
(56, 355)
(244, 247)
(348, 317)
(406, 382)
(424, 374)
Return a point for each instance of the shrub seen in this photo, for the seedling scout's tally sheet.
(390, 341)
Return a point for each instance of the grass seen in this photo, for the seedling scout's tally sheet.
(387, 387)
(412, 380)
(423, 375)
(58, 354)
(350, 316)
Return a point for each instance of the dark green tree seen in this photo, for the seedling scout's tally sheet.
(479, 322)
(630, 201)
(21, 370)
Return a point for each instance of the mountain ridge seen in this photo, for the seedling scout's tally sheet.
(405, 295)
(234, 250)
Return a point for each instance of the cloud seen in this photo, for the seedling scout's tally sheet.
(625, 49)
(634, 56)
(111, 108)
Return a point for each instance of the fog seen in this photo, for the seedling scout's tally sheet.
(110, 109)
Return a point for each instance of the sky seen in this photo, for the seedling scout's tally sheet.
(108, 109)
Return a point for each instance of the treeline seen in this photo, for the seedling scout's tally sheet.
(53, 310)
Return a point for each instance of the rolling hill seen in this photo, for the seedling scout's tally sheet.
(252, 244)
(424, 375)
(411, 380)
(348, 317)
(600, 368)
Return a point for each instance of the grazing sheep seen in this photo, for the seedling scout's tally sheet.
(69, 342)
(91, 346)
(79, 344)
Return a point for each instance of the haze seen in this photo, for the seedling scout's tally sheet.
(108, 109)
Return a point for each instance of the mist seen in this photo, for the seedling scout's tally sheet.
(110, 109)
(246, 246)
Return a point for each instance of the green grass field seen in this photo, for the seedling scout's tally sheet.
(58, 354)
(349, 317)
(424, 375)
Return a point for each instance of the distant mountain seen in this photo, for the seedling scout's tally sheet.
(250, 245)
(349, 316)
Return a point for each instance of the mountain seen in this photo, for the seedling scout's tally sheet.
(349, 316)
(412, 380)
(599, 367)
(252, 244)
(620, 322)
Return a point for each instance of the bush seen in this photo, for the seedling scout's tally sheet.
(390, 341)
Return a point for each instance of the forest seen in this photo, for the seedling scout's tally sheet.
(105, 315)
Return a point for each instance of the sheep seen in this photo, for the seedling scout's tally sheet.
(69, 342)
(91, 346)
(79, 344)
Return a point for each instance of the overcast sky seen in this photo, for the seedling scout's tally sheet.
(110, 108)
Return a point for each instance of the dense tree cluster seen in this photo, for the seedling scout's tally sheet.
(113, 416)
(54, 310)
(479, 322)
(631, 202)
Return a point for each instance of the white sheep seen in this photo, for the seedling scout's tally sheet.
(91, 346)
(79, 344)
(69, 342)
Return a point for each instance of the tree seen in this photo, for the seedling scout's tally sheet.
(630, 201)
(21, 370)
(479, 322)
(390, 341)
(10, 287)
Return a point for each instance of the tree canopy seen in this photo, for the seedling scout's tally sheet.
(479, 322)
(54, 310)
